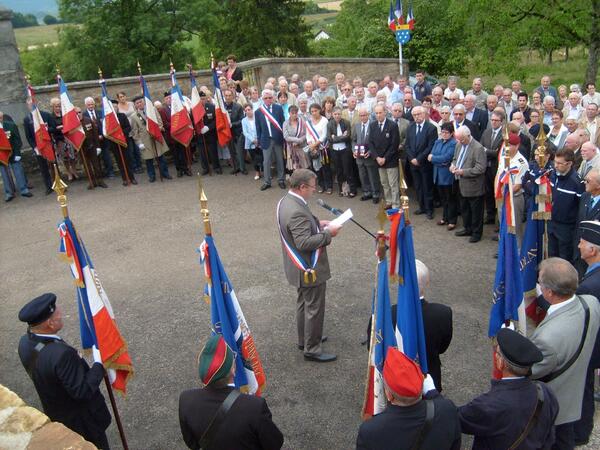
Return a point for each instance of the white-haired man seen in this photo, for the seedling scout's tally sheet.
(468, 166)
(96, 116)
(477, 91)
(308, 94)
(269, 133)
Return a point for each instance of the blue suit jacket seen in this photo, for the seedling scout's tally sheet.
(262, 130)
(442, 154)
(422, 148)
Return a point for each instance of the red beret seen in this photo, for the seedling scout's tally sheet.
(513, 139)
(401, 374)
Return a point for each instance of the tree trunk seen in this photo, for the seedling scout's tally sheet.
(566, 53)
(550, 56)
(594, 48)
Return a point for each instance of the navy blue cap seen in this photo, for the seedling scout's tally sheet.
(38, 309)
(136, 98)
(517, 349)
(589, 230)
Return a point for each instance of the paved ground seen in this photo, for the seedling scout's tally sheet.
(142, 241)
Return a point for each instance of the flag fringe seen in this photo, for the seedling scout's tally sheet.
(542, 215)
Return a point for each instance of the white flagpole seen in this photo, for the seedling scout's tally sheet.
(400, 58)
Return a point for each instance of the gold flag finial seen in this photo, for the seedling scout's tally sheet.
(204, 207)
(506, 137)
(403, 189)
(540, 151)
(139, 67)
(171, 66)
(60, 187)
(100, 73)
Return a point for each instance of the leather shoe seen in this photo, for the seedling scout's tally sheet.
(152, 180)
(235, 171)
(474, 239)
(27, 194)
(282, 184)
(375, 200)
(323, 357)
(323, 339)
(133, 181)
(364, 198)
(418, 212)
(102, 184)
(264, 187)
(430, 216)
(463, 232)
(168, 177)
(8, 199)
(49, 191)
(489, 220)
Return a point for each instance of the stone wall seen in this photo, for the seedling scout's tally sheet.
(25, 428)
(256, 71)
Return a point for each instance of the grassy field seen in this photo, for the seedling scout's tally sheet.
(43, 34)
(560, 71)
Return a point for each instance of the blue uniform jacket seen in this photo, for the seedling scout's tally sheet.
(566, 192)
(441, 157)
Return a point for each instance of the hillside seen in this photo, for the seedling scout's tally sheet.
(38, 8)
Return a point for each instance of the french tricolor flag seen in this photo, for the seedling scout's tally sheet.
(151, 113)
(223, 122)
(181, 124)
(198, 110)
(110, 123)
(43, 142)
(72, 129)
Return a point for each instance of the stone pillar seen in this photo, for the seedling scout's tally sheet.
(12, 78)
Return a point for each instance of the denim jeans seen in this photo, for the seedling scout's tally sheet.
(164, 170)
(21, 181)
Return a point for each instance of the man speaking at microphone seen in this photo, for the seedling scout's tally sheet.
(304, 240)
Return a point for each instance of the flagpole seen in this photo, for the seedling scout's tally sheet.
(540, 156)
(400, 58)
(403, 195)
(139, 67)
(204, 208)
(205, 149)
(60, 187)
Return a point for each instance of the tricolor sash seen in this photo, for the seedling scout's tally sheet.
(505, 181)
(270, 118)
(315, 135)
(295, 256)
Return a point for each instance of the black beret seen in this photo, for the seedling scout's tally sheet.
(167, 94)
(517, 349)
(202, 94)
(38, 309)
(114, 101)
(589, 230)
(137, 97)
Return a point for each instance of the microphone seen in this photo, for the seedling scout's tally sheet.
(335, 211)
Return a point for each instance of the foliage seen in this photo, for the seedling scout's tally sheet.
(312, 7)
(49, 19)
(24, 20)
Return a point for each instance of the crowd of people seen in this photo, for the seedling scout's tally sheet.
(352, 135)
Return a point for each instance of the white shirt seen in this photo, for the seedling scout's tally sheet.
(554, 308)
(53, 336)
(587, 99)
(297, 196)
(321, 129)
(460, 93)
(339, 145)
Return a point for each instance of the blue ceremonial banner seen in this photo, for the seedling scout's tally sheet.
(508, 285)
(228, 320)
(531, 250)
(410, 333)
(382, 338)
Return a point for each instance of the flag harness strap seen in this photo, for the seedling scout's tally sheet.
(217, 420)
(429, 414)
(534, 416)
(552, 376)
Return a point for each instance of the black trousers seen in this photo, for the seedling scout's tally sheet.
(490, 197)
(561, 240)
(45, 170)
(471, 209)
(207, 144)
(564, 437)
(342, 160)
(324, 177)
(423, 179)
(449, 199)
(180, 157)
(126, 159)
(583, 427)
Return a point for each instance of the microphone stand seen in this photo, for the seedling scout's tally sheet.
(337, 212)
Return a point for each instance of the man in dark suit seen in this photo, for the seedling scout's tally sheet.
(491, 140)
(96, 115)
(122, 153)
(499, 417)
(207, 139)
(365, 158)
(245, 420)
(68, 388)
(30, 136)
(408, 105)
(269, 122)
(89, 152)
(304, 240)
(420, 137)
(589, 246)
(459, 114)
(589, 209)
(236, 144)
(478, 117)
(383, 143)
(410, 420)
(468, 166)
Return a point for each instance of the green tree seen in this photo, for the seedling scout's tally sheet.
(49, 19)
(24, 20)
(252, 28)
